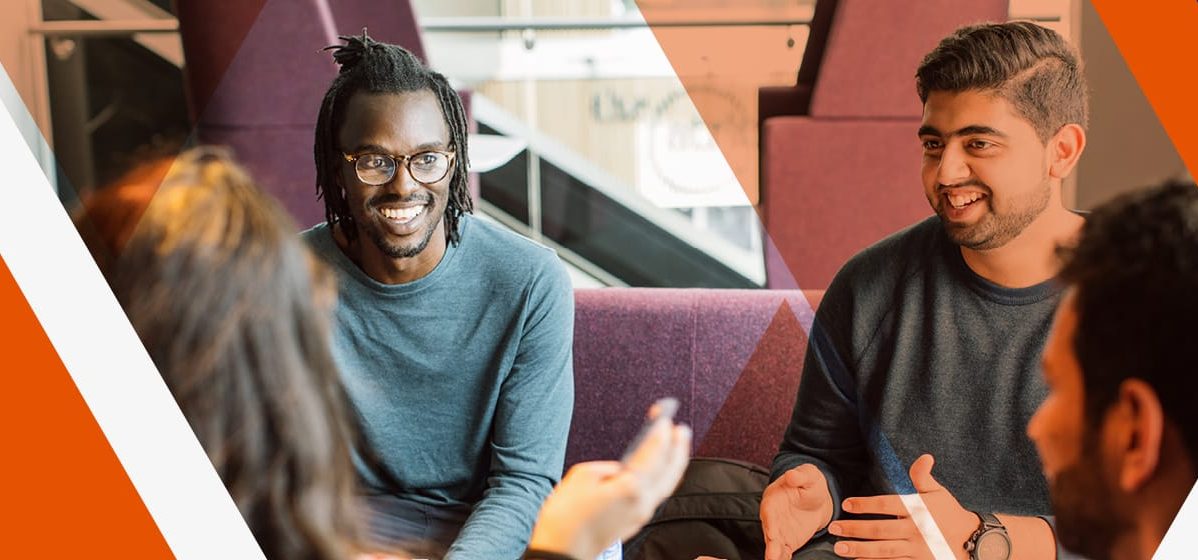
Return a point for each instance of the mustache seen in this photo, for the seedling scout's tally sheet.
(392, 198)
(970, 183)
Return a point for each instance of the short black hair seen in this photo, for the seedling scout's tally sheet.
(1029, 65)
(373, 67)
(1135, 271)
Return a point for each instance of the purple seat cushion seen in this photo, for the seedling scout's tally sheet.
(717, 351)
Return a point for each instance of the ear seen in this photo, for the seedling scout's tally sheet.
(1065, 147)
(1137, 423)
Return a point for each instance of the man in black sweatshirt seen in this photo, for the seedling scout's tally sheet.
(927, 342)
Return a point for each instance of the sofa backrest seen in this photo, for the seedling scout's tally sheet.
(846, 174)
(256, 77)
(874, 47)
(731, 357)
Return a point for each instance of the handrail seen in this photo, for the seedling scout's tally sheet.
(493, 24)
(574, 259)
(105, 28)
(118, 28)
(498, 24)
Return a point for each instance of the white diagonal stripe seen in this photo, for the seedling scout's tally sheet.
(1181, 541)
(927, 526)
(110, 367)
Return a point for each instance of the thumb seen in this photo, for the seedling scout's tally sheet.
(921, 475)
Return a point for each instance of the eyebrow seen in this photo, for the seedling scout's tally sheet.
(928, 130)
(377, 149)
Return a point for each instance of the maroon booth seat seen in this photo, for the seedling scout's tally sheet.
(841, 170)
(731, 357)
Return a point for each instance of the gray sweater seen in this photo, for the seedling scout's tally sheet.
(464, 379)
(912, 353)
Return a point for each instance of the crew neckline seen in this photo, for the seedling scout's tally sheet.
(343, 262)
(990, 290)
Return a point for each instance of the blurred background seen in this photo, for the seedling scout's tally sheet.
(635, 150)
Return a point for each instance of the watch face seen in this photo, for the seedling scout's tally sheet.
(993, 545)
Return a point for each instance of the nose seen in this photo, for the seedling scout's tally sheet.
(953, 169)
(403, 184)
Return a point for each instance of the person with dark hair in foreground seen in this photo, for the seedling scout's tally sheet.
(925, 344)
(234, 311)
(1118, 433)
(225, 299)
(454, 336)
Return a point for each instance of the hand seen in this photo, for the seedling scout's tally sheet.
(793, 508)
(599, 502)
(900, 537)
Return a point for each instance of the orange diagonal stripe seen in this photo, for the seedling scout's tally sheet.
(65, 493)
(1157, 41)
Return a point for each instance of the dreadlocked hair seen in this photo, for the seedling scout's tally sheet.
(373, 67)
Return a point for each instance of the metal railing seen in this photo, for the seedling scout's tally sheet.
(105, 28)
(494, 24)
(110, 28)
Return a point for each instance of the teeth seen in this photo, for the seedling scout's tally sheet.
(960, 201)
(402, 214)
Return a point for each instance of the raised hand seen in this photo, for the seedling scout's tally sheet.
(901, 537)
(793, 508)
(600, 502)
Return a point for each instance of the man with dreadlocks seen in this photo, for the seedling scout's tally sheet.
(454, 337)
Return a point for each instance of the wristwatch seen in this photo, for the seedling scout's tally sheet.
(990, 541)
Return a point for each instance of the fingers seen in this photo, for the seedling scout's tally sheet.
(874, 529)
(676, 460)
(669, 404)
(921, 475)
(803, 476)
(652, 451)
(877, 505)
(661, 459)
(652, 473)
(776, 550)
(874, 549)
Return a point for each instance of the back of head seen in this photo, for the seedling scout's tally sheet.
(1030, 66)
(107, 217)
(1135, 271)
(220, 289)
(368, 66)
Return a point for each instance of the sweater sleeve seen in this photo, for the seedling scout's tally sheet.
(824, 428)
(532, 421)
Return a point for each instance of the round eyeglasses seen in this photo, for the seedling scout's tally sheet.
(378, 169)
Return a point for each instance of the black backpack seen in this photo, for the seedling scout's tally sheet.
(713, 512)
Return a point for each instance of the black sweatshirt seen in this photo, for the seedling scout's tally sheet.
(912, 353)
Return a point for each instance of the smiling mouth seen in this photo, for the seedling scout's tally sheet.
(962, 201)
(402, 215)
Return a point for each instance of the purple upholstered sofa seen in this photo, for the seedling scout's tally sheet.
(731, 357)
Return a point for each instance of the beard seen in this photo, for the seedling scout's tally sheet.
(379, 236)
(1089, 515)
(395, 250)
(994, 229)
